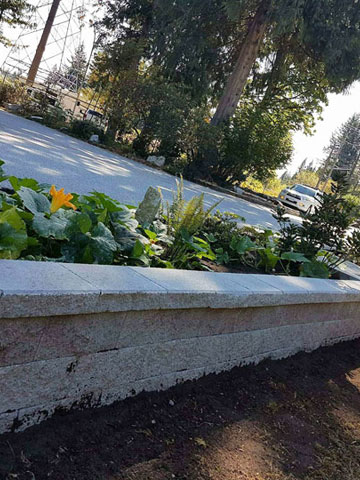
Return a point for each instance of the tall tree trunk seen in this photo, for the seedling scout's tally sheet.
(246, 59)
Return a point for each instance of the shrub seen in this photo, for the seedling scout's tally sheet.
(323, 238)
(12, 92)
(184, 220)
(84, 129)
(55, 117)
(95, 228)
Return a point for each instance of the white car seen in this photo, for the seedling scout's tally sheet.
(301, 197)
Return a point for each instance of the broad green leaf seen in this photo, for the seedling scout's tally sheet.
(78, 249)
(33, 201)
(242, 245)
(12, 217)
(150, 234)
(102, 216)
(95, 247)
(2, 173)
(138, 249)
(12, 241)
(210, 237)
(268, 258)
(104, 201)
(55, 226)
(124, 217)
(17, 183)
(314, 269)
(77, 223)
(102, 244)
(294, 257)
(126, 239)
(185, 234)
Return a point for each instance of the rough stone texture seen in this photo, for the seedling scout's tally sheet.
(149, 206)
(94, 138)
(75, 336)
(154, 160)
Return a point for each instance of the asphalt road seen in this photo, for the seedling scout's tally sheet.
(30, 149)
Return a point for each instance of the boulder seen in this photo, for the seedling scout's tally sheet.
(94, 138)
(12, 107)
(154, 160)
(238, 190)
(149, 207)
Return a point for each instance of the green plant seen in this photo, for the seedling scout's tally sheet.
(98, 229)
(84, 129)
(323, 237)
(184, 220)
(55, 117)
(12, 92)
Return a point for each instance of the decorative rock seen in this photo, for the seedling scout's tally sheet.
(94, 138)
(154, 160)
(238, 189)
(12, 107)
(149, 207)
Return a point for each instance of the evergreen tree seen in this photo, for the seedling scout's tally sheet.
(308, 47)
(348, 139)
(76, 71)
(343, 152)
(302, 166)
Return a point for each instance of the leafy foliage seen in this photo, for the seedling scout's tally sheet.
(13, 13)
(186, 235)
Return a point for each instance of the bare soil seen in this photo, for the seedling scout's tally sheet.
(295, 419)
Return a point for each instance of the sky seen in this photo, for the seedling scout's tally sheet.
(339, 109)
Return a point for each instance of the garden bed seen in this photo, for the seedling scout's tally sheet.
(293, 419)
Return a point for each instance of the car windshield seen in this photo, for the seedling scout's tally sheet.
(304, 190)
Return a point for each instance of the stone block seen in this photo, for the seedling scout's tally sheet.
(79, 334)
(19, 339)
(35, 383)
(154, 160)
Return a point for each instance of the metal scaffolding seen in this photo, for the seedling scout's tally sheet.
(38, 51)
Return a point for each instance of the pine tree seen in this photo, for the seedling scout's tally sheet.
(302, 166)
(76, 71)
(349, 146)
(343, 152)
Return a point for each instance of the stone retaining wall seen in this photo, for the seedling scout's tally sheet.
(82, 335)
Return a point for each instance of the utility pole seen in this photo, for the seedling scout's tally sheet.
(42, 44)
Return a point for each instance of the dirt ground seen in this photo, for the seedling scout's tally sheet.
(293, 419)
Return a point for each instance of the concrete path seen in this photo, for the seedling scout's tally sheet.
(33, 150)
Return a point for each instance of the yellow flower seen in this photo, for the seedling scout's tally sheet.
(59, 198)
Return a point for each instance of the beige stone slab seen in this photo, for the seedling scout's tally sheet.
(51, 304)
(49, 380)
(19, 339)
(35, 383)
(30, 278)
(141, 328)
(80, 334)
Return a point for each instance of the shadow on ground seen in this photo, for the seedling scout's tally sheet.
(297, 418)
(30, 149)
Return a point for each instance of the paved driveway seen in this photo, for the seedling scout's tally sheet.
(32, 150)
